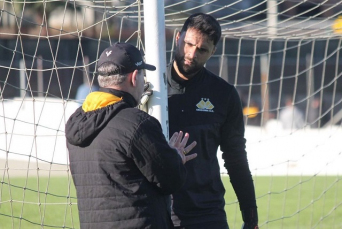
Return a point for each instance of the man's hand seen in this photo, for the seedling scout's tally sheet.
(178, 143)
(145, 96)
(250, 218)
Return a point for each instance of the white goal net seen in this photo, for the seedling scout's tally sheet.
(284, 58)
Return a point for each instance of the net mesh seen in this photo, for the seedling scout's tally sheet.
(282, 56)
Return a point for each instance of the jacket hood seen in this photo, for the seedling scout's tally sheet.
(97, 110)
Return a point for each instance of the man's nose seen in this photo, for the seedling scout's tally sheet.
(192, 52)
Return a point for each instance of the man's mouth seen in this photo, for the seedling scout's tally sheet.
(188, 62)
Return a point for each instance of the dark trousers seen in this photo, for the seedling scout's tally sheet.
(208, 225)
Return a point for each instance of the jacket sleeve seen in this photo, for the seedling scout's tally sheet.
(233, 146)
(157, 161)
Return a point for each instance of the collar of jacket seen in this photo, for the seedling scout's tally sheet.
(178, 87)
(106, 97)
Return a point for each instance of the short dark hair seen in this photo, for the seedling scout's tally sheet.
(204, 23)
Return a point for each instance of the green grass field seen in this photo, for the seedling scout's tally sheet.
(283, 202)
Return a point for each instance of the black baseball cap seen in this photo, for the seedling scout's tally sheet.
(125, 57)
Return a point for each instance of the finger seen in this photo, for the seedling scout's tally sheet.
(178, 139)
(190, 147)
(146, 86)
(181, 154)
(190, 157)
(148, 93)
(173, 137)
(184, 140)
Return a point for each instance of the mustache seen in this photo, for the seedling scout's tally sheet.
(180, 59)
(191, 60)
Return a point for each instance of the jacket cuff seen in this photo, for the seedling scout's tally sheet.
(250, 216)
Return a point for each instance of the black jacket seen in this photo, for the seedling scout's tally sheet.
(209, 109)
(121, 164)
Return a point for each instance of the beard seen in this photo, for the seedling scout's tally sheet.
(186, 69)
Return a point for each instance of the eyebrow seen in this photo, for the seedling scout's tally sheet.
(200, 48)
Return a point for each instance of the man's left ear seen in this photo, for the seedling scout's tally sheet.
(177, 38)
(133, 78)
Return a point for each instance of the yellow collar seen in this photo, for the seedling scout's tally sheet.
(98, 99)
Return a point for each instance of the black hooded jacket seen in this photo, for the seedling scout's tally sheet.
(121, 164)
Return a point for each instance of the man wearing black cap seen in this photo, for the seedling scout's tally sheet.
(123, 168)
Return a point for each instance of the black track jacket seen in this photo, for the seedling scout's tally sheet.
(122, 166)
(209, 109)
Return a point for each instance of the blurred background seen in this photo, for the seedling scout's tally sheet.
(65, 38)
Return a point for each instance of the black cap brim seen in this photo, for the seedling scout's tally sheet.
(150, 67)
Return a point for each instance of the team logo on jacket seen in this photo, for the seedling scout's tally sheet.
(205, 105)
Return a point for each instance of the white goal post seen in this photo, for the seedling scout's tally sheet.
(283, 56)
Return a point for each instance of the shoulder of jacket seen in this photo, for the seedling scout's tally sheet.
(136, 116)
(218, 81)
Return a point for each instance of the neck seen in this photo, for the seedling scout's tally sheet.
(119, 92)
(126, 87)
